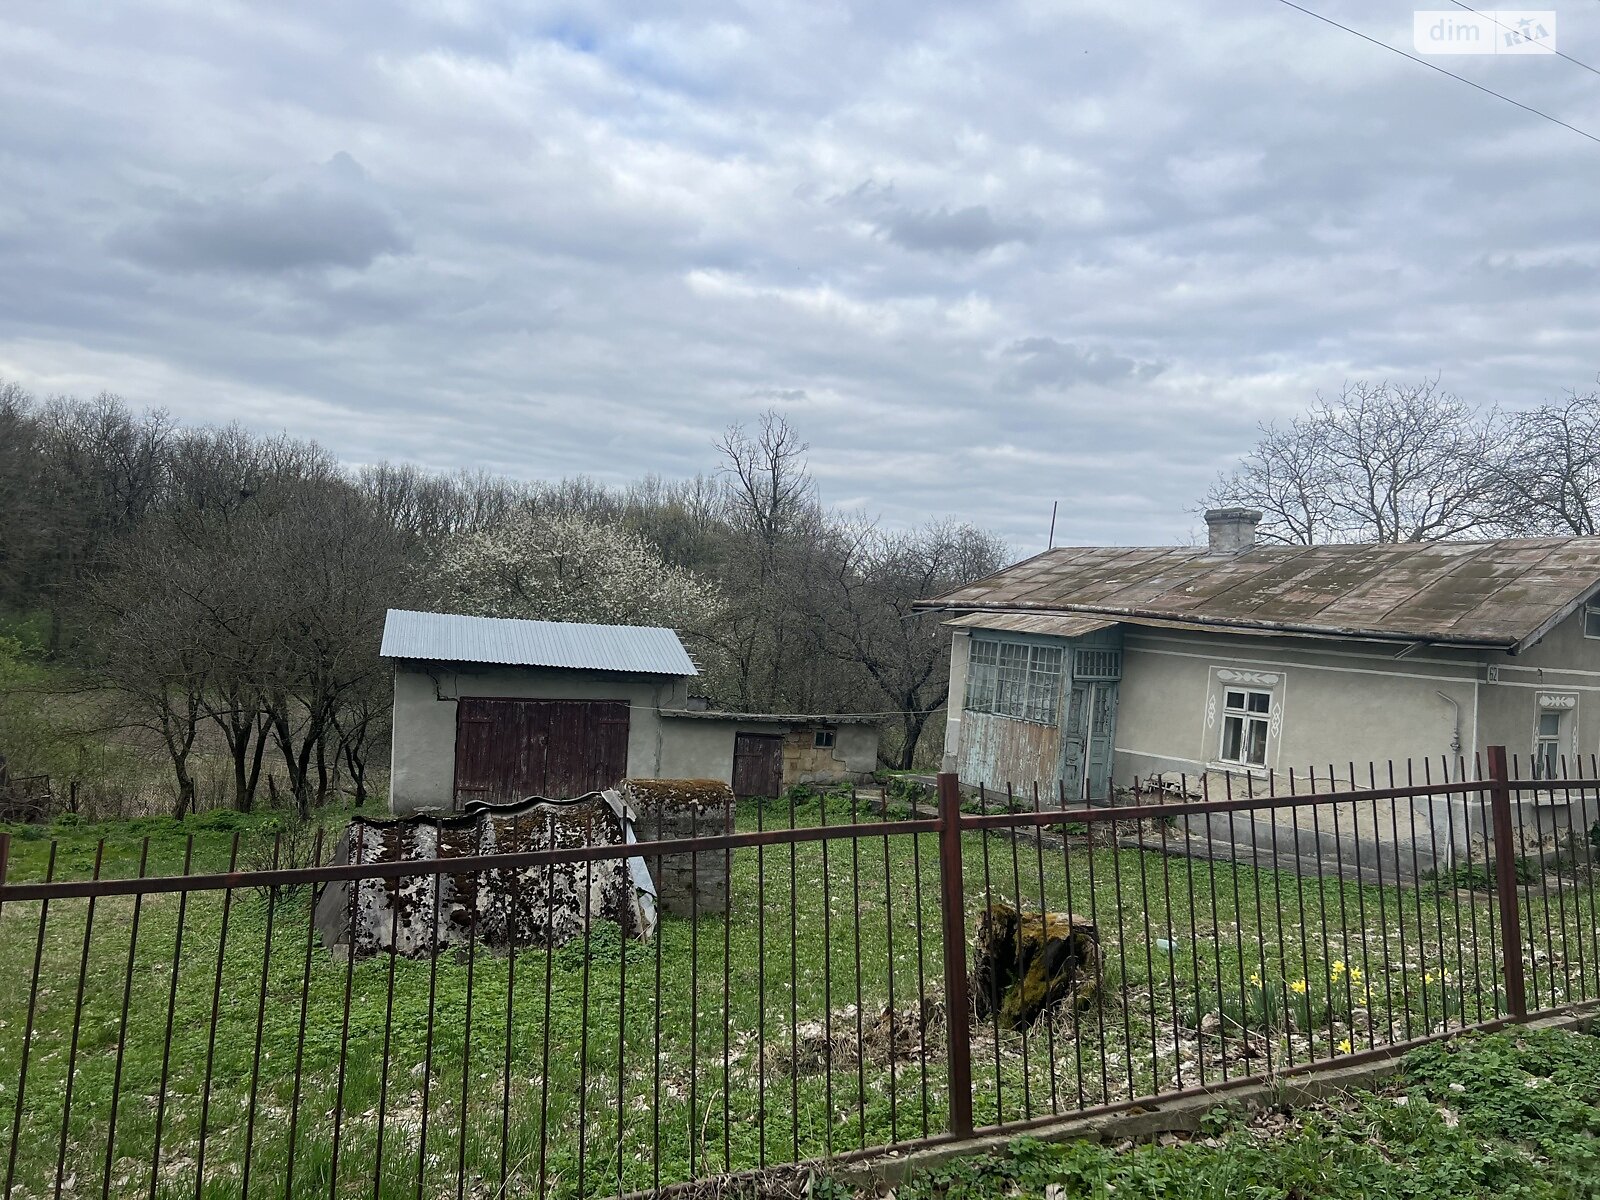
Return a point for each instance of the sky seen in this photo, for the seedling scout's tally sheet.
(983, 257)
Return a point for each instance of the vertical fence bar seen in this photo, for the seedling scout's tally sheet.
(1505, 884)
(77, 1024)
(27, 1032)
(261, 1023)
(953, 910)
(211, 1036)
(122, 1024)
(172, 1004)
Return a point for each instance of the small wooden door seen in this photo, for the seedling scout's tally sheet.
(1087, 739)
(757, 764)
(510, 749)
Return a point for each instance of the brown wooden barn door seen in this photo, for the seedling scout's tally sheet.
(509, 749)
(475, 752)
(757, 765)
(588, 747)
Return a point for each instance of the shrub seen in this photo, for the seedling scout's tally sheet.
(1480, 877)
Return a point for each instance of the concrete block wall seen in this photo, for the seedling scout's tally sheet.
(687, 885)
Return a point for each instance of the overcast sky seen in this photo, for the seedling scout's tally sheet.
(983, 256)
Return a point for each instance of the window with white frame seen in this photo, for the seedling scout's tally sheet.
(1014, 679)
(1246, 719)
(1591, 620)
(1547, 746)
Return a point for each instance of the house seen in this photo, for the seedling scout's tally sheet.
(494, 709)
(1085, 665)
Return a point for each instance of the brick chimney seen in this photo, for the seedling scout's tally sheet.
(1232, 530)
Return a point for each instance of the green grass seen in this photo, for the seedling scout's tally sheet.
(1504, 1115)
(1248, 925)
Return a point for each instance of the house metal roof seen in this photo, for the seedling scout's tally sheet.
(1502, 594)
(1019, 622)
(452, 637)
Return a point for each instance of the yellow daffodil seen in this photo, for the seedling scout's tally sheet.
(1355, 974)
(1338, 968)
(1255, 979)
(1427, 977)
(1345, 1047)
(1298, 987)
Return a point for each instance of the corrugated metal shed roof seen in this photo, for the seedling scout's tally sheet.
(1048, 623)
(451, 637)
(1505, 594)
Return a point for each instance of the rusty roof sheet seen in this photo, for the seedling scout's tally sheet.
(1505, 593)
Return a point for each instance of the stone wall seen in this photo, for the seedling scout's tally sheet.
(687, 885)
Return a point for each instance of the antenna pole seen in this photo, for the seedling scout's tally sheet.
(1052, 543)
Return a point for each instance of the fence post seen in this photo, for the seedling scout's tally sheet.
(1505, 883)
(952, 908)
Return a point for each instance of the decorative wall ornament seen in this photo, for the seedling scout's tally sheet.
(1559, 701)
(1258, 678)
(1211, 710)
(1275, 722)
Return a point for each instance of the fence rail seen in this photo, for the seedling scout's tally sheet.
(857, 974)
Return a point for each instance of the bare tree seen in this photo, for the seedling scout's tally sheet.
(1547, 468)
(864, 614)
(20, 518)
(335, 564)
(774, 531)
(99, 471)
(1384, 462)
(146, 660)
(770, 487)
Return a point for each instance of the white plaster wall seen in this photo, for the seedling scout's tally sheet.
(1565, 663)
(856, 748)
(693, 748)
(960, 647)
(1333, 703)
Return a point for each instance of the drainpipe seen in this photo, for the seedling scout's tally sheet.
(1455, 751)
(1455, 735)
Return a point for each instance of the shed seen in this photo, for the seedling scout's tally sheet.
(495, 709)
(762, 754)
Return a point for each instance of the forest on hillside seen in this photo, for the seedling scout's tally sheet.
(190, 616)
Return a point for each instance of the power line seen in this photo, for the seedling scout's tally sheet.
(1574, 61)
(1528, 108)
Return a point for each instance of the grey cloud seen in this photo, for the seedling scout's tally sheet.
(970, 230)
(1043, 362)
(326, 217)
(570, 221)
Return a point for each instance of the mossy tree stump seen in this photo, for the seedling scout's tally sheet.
(1026, 963)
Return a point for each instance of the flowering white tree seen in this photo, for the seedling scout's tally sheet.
(567, 567)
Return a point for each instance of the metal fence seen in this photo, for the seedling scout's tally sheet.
(189, 1033)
